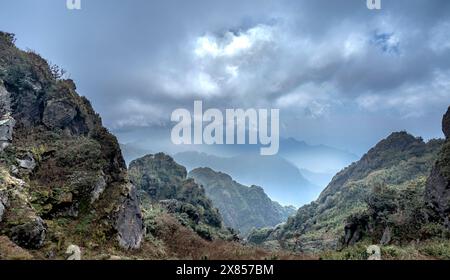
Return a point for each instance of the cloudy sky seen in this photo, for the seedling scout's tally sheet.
(341, 74)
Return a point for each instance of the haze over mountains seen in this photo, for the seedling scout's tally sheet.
(281, 180)
(306, 169)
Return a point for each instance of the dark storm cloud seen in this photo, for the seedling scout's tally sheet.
(322, 62)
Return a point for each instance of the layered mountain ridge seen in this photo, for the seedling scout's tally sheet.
(242, 208)
(290, 189)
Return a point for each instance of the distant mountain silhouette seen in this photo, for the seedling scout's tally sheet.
(315, 158)
(282, 181)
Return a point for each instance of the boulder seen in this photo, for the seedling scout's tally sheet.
(30, 235)
(27, 162)
(58, 114)
(129, 223)
(73, 253)
(6, 132)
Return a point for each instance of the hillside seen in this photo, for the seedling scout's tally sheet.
(162, 182)
(63, 179)
(242, 208)
(378, 200)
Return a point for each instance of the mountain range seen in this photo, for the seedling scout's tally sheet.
(242, 208)
(376, 200)
(281, 180)
(306, 168)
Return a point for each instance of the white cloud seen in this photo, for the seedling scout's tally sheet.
(411, 100)
(303, 64)
(135, 113)
(231, 44)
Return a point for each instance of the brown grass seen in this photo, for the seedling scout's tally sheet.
(179, 242)
(10, 251)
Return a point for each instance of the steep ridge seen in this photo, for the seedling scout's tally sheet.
(378, 198)
(162, 182)
(63, 179)
(243, 208)
(437, 193)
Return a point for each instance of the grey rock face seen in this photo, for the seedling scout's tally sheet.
(6, 121)
(352, 235)
(437, 191)
(27, 162)
(446, 124)
(6, 132)
(129, 224)
(5, 100)
(437, 194)
(354, 231)
(58, 114)
(30, 235)
(98, 189)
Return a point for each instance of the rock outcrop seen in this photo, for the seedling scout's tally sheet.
(30, 234)
(437, 193)
(446, 124)
(129, 224)
(161, 181)
(7, 123)
(57, 160)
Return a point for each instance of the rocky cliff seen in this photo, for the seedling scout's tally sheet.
(243, 208)
(162, 182)
(63, 179)
(437, 193)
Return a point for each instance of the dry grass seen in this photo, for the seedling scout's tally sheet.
(10, 251)
(178, 242)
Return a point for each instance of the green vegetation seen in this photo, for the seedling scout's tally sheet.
(378, 199)
(242, 208)
(162, 183)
